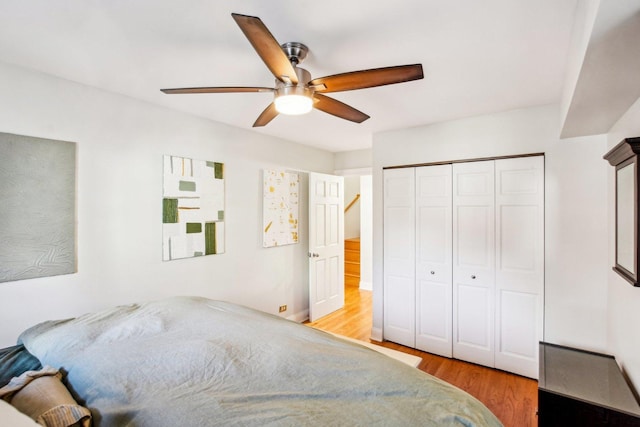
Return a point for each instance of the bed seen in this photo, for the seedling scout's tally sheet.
(189, 361)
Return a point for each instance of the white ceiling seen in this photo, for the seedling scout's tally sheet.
(478, 56)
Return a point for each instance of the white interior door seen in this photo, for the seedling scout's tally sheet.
(326, 244)
(433, 259)
(399, 256)
(519, 263)
(473, 262)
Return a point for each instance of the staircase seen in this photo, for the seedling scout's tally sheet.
(352, 261)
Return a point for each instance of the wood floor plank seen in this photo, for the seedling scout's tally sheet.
(514, 399)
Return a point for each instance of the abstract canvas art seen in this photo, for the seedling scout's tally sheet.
(280, 208)
(37, 207)
(192, 208)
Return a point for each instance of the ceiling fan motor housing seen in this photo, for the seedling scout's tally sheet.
(296, 52)
(286, 87)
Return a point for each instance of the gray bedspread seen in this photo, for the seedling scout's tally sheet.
(196, 362)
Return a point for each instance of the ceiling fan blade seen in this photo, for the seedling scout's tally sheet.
(267, 47)
(367, 78)
(266, 116)
(338, 109)
(217, 90)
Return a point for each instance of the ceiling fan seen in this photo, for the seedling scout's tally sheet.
(295, 92)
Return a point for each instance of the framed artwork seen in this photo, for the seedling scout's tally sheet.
(37, 207)
(192, 208)
(280, 208)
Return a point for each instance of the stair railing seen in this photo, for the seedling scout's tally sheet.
(353, 202)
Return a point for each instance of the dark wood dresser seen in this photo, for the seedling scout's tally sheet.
(581, 388)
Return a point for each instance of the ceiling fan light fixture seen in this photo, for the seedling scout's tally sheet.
(293, 99)
(293, 104)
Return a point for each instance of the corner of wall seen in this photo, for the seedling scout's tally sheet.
(584, 19)
(300, 317)
(353, 160)
(366, 286)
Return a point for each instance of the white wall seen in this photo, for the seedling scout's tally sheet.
(348, 161)
(575, 208)
(120, 143)
(352, 216)
(624, 299)
(366, 232)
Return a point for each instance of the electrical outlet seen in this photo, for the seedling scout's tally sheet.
(282, 308)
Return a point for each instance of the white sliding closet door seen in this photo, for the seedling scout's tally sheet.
(433, 259)
(474, 262)
(464, 260)
(399, 256)
(519, 263)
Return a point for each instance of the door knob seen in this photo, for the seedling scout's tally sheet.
(433, 272)
(473, 276)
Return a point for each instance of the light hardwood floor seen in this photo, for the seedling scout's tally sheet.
(514, 399)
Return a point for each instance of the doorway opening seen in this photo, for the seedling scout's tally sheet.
(358, 232)
(355, 318)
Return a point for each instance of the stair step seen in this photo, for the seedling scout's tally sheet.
(352, 269)
(352, 244)
(352, 258)
(351, 255)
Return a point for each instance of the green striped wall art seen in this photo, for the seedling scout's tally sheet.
(192, 208)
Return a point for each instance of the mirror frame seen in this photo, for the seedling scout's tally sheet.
(622, 155)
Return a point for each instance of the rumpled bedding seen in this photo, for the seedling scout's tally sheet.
(189, 361)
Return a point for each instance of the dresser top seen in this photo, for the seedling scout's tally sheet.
(587, 376)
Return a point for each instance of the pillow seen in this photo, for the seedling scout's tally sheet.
(14, 361)
(10, 416)
(42, 396)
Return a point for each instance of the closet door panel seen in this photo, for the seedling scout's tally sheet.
(519, 263)
(399, 317)
(433, 260)
(399, 256)
(433, 313)
(516, 330)
(517, 244)
(399, 240)
(473, 304)
(474, 237)
(474, 262)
